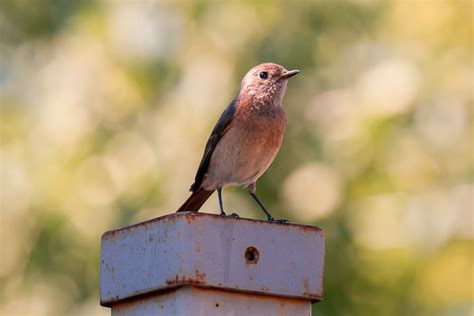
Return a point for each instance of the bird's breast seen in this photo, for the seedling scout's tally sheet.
(260, 132)
(248, 147)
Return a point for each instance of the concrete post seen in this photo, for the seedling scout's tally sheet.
(205, 264)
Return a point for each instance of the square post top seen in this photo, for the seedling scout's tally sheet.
(212, 251)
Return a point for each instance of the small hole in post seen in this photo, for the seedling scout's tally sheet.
(251, 255)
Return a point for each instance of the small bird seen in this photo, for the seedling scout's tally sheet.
(246, 138)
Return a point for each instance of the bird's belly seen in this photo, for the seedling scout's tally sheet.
(243, 154)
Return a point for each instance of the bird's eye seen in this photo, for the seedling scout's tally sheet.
(263, 75)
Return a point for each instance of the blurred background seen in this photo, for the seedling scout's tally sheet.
(106, 107)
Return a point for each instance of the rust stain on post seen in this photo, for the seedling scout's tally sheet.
(198, 278)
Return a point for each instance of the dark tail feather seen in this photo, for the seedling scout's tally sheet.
(195, 201)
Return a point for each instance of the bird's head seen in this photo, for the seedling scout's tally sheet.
(267, 82)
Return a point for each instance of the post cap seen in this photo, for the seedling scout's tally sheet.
(207, 250)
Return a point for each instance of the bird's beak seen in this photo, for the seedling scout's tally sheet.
(289, 74)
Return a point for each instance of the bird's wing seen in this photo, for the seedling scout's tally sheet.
(219, 130)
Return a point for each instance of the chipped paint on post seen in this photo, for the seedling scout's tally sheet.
(165, 258)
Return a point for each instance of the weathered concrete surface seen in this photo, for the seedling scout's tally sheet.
(210, 251)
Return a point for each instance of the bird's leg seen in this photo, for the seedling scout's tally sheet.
(252, 189)
(269, 217)
(219, 194)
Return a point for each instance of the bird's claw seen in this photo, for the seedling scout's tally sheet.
(279, 221)
(234, 215)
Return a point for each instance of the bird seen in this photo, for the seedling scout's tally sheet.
(245, 139)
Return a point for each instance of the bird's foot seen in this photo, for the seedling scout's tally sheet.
(234, 215)
(279, 221)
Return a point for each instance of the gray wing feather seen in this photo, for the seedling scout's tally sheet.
(216, 135)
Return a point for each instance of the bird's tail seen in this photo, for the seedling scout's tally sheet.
(195, 201)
